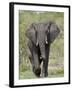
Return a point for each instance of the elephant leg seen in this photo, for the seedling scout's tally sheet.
(45, 63)
(36, 69)
(47, 56)
(45, 68)
(34, 62)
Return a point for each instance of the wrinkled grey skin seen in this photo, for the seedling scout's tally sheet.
(39, 38)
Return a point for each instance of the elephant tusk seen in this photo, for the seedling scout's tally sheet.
(37, 44)
(46, 42)
(40, 57)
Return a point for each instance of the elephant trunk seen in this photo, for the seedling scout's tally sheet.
(42, 49)
(41, 41)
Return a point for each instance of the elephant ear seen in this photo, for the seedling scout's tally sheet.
(31, 34)
(53, 32)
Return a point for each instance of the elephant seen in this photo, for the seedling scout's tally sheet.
(40, 35)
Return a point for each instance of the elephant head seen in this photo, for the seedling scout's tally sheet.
(41, 34)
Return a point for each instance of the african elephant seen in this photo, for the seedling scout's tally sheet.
(39, 38)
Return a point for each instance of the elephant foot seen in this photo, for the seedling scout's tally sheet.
(37, 72)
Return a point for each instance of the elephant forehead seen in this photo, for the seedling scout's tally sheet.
(41, 27)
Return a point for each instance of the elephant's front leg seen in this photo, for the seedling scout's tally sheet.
(36, 69)
(45, 63)
(45, 68)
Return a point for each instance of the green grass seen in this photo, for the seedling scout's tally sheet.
(27, 75)
(52, 72)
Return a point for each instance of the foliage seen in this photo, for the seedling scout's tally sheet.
(26, 18)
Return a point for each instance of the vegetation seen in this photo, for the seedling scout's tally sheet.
(56, 58)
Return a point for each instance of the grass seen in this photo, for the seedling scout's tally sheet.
(52, 72)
